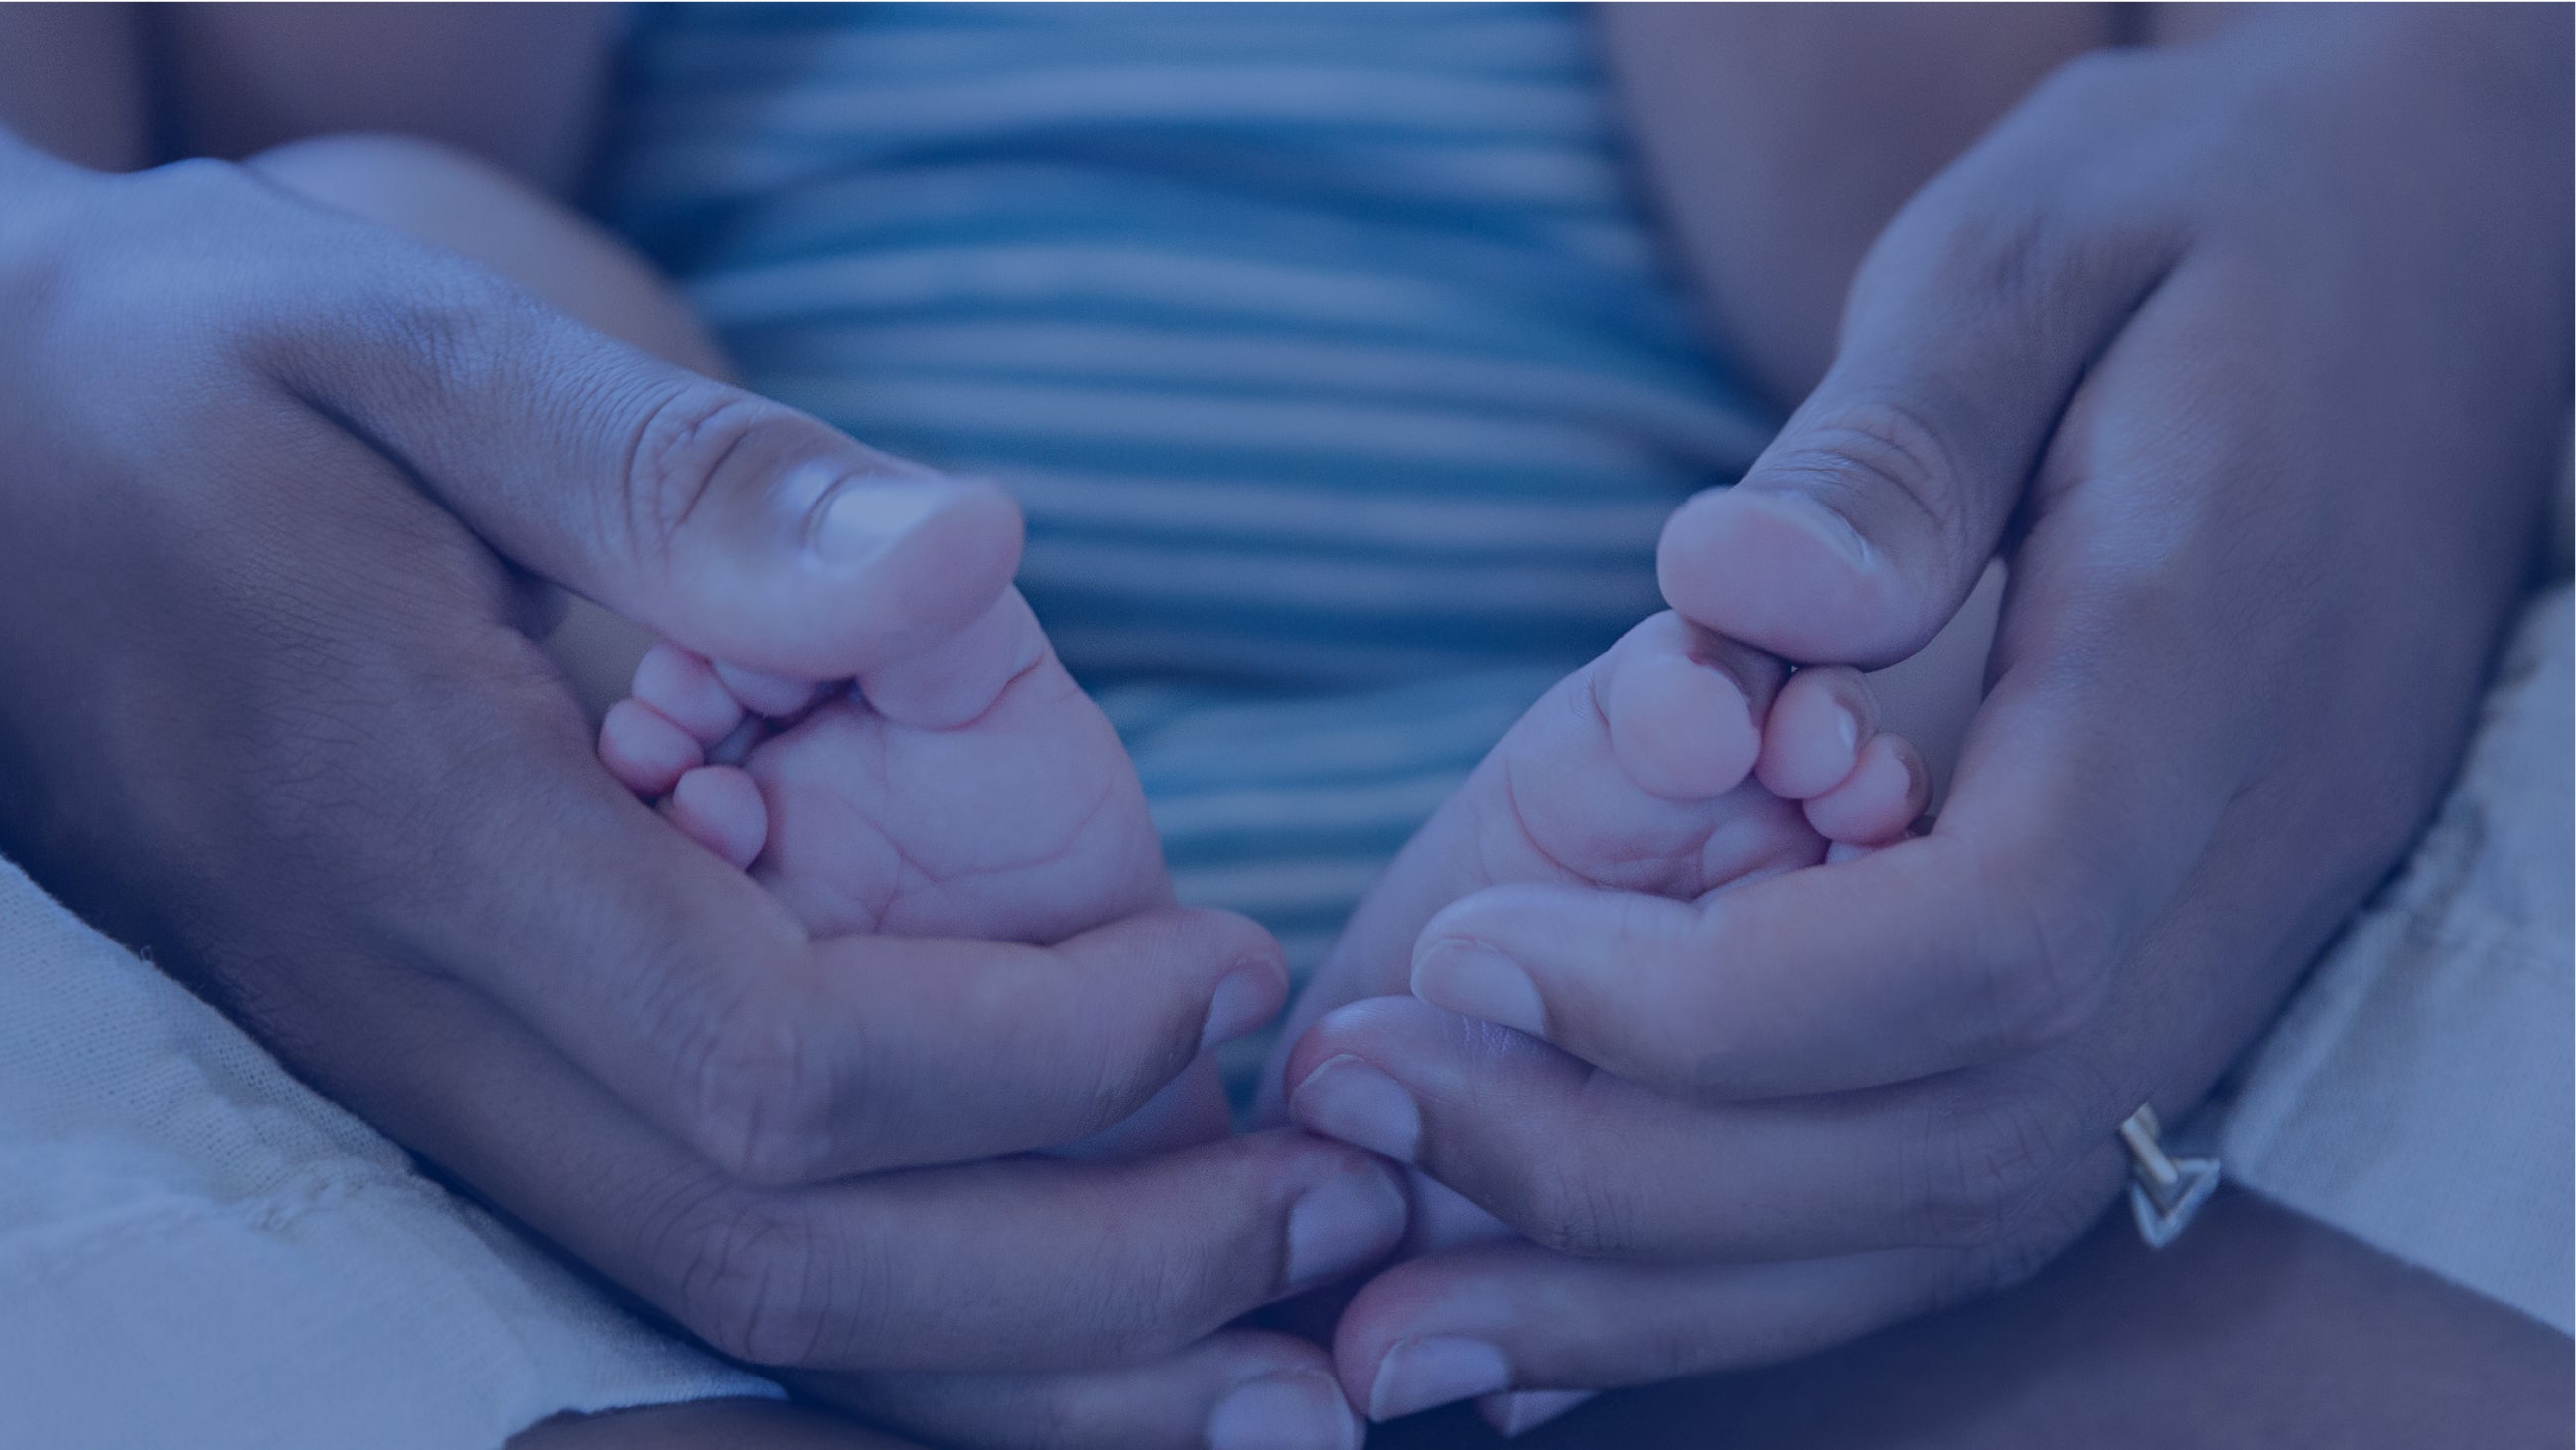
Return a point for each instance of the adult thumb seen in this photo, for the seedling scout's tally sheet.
(741, 528)
(1861, 530)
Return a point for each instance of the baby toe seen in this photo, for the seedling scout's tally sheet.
(719, 807)
(643, 749)
(682, 687)
(1885, 792)
(1812, 738)
(957, 680)
(1680, 727)
(774, 696)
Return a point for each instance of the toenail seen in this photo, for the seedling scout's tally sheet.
(864, 514)
(1418, 1374)
(1352, 1221)
(1350, 1100)
(1297, 1411)
(1474, 980)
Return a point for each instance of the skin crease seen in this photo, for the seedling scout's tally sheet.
(461, 1021)
(2239, 423)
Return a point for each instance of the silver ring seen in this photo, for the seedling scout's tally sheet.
(2164, 1192)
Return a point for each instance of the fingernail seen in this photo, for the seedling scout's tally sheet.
(1420, 1373)
(1474, 980)
(1356, 1219)
(1847, 730)
(1515, 1414)
(1241, 1003)
(1350, 1100)
(1822, 523)
(1301, 1411)
(862, 515)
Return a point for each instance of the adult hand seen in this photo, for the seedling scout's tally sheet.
(270, 706)
(2251, 355)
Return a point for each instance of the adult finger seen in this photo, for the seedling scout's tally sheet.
(1930, 955)
(1015, 1264)
(1585, 1163)
(746, 530)
(1864, 525)
(1235, 1390)
(1517, 1318)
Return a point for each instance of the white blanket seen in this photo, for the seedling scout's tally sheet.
(2418, 1091)
(197, 1251)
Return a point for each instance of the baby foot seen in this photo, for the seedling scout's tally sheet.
(1678, 763)
(1674, 764)
(970, 789)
